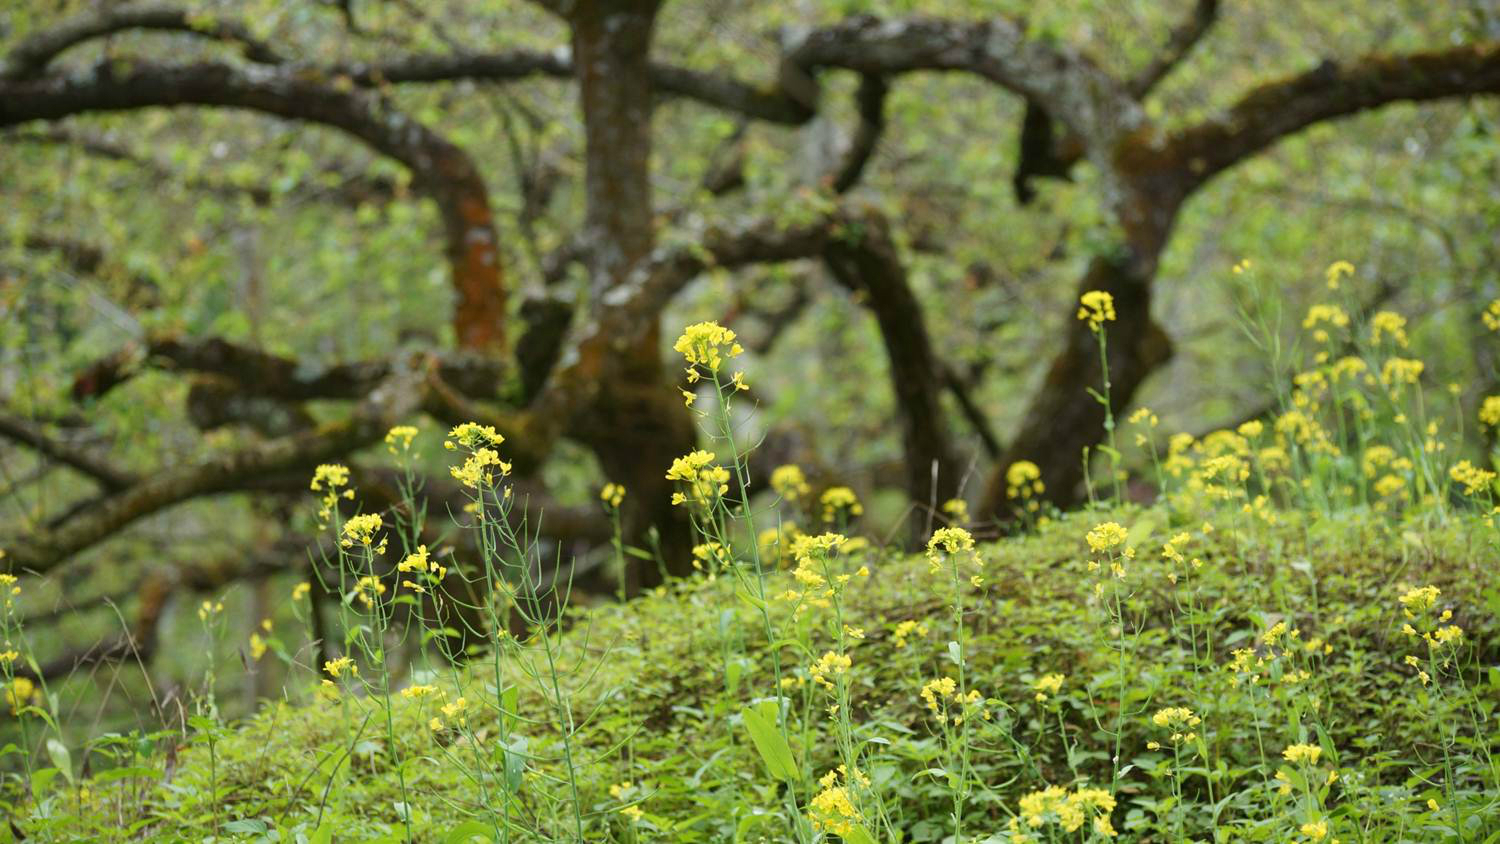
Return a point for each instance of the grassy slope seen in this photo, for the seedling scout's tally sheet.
(650, 679)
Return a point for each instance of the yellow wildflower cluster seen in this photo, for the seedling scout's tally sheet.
(905, 630)
(1491, 316)
(419, 563)
(1474, 479)
(956, 546)
(363, 530)
(957, 510)
(832, 810)
(1171, 551)
(479, 468)
(612, 495)
(472, 436)
(1023, 483)
(840, 502)
(368, 590)
(1069, 810)
(1180, 720)
(706, 482)
(341, 667)
(1299, 754)
(789, 483)
(1388, 324)
(1489, 412)
(1319, 315)
(830, 664)
(1047, 685)
(1398, 372)
(707, 344)
(398, 439)
(948, 703)
(20, 693)
(209, 609)
(1336, 271)
(327, 479)
(1096, 307)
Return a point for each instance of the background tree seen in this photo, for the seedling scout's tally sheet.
(295, 227)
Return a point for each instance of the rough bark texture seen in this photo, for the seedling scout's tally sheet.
(634, 424)
(444, 171)
(866, 261)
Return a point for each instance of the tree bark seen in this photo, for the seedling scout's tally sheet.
(635, 425)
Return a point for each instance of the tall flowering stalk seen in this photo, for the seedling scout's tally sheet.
(1096, 307)
(951, 555)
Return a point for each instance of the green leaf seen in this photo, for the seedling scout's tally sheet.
(760, 722)
(58, 753)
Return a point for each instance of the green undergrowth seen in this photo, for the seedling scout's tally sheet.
(657, 687)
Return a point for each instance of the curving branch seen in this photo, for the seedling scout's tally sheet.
(1332, 90)
(1183, 38)
(444, 171)
(240, 469)
(269, 375)
(866, 261)
(870, 102)
(100, 469)
(32, 55)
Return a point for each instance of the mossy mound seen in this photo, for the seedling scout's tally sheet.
(655, 690)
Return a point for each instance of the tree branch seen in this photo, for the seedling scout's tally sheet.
(1330, 91)
(1181, 42)
(109, 476)
(444, 171)
(243, 468)
(870, 101)
(32, 55)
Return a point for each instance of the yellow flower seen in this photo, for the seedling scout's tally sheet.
(476, 469)
(19, 693)
(707, 344)
(1107, 536)
(257, 647)
(1300, 753)
(1398, 371)
(832, 810)
(417, 692)
(400, 437)
(1491, 316)
(361, 529)
(957, 509)
(1337, 270)
(828, 665)
(209, 609)
(333, 475)
(338, 667)
(1331, 314)
(632, 812)
(1096, 308)
(906, 629)
(300, 590)
(612, 494)
(1388, 323)
(472, 435)
(1489, 412)
(1023, 479)
(937, 691)
(1315, 830)
(1474, 479)
(789, 482)
(1047, 684)
(840, 500)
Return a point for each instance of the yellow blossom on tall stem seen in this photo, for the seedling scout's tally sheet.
(1096, 307)
(707, 344)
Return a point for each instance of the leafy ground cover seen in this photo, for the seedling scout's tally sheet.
(1288, 634)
